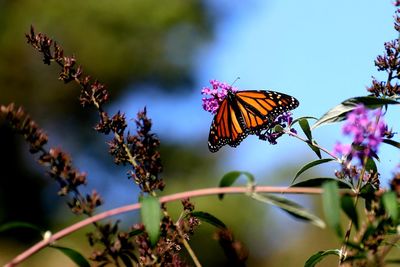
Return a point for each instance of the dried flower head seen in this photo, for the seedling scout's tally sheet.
(144, 148)
(390, 63)
(235, 251)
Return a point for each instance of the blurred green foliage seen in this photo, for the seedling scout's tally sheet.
(119, 42)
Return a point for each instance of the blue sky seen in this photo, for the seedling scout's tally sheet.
(321, 52)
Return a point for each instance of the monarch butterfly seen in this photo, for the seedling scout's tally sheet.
(246, 112)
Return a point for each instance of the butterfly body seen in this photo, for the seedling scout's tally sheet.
(246, 112)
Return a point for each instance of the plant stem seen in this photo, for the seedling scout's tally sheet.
(185, 243)
(169, 198)
(313, 143)
(348, 232)
(191, 252)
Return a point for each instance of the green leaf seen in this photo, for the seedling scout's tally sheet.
(331, 206)
(126, 260)
(310, 165)
(316, 150)
(335, 114)
(339, 112)
(151, 217)
(367, 191)
(207, 217)
(348, 207)
(290, 207)
(306, 128)
(373, 102)
(135, 232)
(389, 200)
(230, 178)
(278, 128)
(74, 255)
(131, 255)
(304, 117)
(318, 182)
(17, 224)
(371, 165)
(317, 257)
(391, 142)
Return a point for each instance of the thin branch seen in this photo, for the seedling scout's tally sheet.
(178, 196)
(312, 143)
(191, 252)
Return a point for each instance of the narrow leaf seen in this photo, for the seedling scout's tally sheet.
(306, 128)
(13, 225)
(310, 165)
(151, 217)
(74, 255)
(230, 178)
(348, 207)
(367, 191)
(290, 207)
(335, 114)
(135, 232)
(391, 142)
(331, 206)
(318, 182)
(132, 255)
(373, 102)
(370, 165)
(339, 112)
(304, 117)
(126, 260)
(389, 200)
(207, 217)
(317, 257)
(316, 150)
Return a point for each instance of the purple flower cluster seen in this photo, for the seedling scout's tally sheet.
(275, 129)
(367, 128)
(217, 93)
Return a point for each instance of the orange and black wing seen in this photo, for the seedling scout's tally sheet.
(260, 108)
(246, 112)
(227, 126)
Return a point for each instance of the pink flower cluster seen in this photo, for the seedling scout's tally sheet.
(216, 94)
(367, 128)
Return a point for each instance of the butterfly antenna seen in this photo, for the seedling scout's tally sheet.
(237, 78)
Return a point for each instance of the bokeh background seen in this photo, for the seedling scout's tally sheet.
(159, 55)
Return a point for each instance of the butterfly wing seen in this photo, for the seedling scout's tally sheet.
(246, 112)
(260, 108)
(227, 126)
